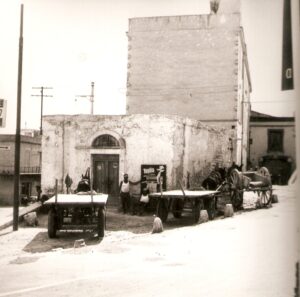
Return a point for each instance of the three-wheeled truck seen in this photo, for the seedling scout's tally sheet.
(80, 211)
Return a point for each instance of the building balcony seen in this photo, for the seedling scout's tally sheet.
(26, 170)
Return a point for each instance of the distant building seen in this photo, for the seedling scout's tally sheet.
(30, 132)
(273, 145)
(30, 162)
(193, 66)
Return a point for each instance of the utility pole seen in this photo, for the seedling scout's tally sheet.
(91, 97)
(42, 103)
(18, 129)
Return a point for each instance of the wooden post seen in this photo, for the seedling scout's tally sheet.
(56, 189)
(18, 129)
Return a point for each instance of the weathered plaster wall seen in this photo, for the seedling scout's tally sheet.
(181, 64)
(184, 145)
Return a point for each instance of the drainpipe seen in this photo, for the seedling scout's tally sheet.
(63, 155)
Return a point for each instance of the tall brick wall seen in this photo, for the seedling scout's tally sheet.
(184, 65)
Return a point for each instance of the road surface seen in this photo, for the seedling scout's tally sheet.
(251, 254)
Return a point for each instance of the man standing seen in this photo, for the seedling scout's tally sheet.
(125, 194)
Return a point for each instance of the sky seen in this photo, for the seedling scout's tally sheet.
(70, 43)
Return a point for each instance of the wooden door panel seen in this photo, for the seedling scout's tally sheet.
(100, 177)
(113, 178)
(106, 174)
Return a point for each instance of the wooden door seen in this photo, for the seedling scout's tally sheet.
(106, 174)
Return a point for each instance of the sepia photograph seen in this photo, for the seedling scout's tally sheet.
(149, 148)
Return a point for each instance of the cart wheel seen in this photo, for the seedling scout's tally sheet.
(196, 211)
(162, 209)
(263, 171)
(265, 197)
(101, 222)
(177, 208)
(236, 189)
(52, 224)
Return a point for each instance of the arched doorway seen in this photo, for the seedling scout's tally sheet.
(106, 165)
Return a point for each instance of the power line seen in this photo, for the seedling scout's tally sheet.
(42, 102)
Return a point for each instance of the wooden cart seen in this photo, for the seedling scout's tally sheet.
(257, 181)
(179, 201)
(76, 212)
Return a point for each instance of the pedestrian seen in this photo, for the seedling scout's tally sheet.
(125, 194)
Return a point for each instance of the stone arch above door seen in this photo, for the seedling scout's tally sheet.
(112, 137)
(118, 147)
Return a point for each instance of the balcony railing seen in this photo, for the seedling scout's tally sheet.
(10, 170)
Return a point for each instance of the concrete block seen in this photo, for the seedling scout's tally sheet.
(228, 211)
(203, 216)
(274, 198)
(157, 225)
(79, 243)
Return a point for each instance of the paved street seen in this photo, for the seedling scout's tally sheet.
(251, 254)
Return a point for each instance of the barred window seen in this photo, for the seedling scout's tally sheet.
(105, 141)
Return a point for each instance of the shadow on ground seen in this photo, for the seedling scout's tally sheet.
(64, 240)
(115, 221)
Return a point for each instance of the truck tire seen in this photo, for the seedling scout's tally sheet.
(52, 224)
(101, 222)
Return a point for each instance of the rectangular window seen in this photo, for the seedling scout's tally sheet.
(275, 140)
(1, 103)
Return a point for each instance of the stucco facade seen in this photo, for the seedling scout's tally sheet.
(193, 66)
(188, 148)
(30, 162)
(261, 126)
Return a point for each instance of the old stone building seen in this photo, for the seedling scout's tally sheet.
(194, 66)
(188, 109)
(113, 145)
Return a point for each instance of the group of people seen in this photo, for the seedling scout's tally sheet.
(126, 198)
